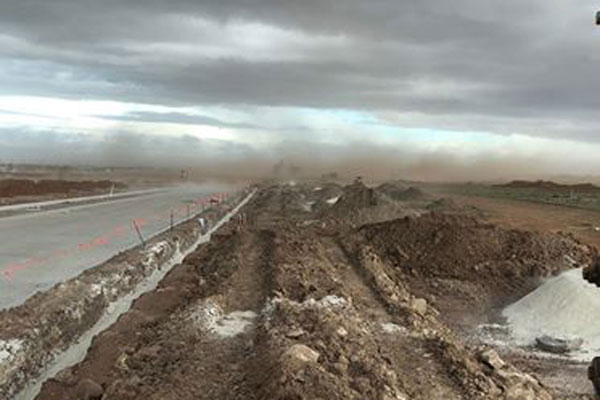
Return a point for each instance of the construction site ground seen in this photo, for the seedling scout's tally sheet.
(323, 291)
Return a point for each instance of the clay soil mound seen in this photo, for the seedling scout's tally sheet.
(355, 197)
(447, 245)
(283, 198)
(25, 187)
(399, 192)
(326, 191)
(475, 261)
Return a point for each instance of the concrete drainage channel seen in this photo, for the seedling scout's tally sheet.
(76, 353)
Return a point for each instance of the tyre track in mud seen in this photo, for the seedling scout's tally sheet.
(223, 351)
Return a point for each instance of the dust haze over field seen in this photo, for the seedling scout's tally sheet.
(467, 91)
(296, 159)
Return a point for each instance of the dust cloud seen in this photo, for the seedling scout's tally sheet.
(286, 160)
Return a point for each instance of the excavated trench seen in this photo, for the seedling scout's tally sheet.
(291, 303)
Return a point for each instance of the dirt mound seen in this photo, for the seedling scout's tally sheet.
(356, 197)
(324, 192)
(399, 192)
(323, 196)
(446, 245)
(283, 198)
(340, 327)
(328, 190)
(359, 205)
(24, 187)
(443, 204)
(445, 252)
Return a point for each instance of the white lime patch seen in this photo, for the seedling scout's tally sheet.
(211, 317)
(234, 323)
(9, 349)
(333, 200)
(393, 329)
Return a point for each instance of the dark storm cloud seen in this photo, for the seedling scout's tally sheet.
(484, 65)
(178, 118)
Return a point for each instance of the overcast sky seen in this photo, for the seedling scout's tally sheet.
(466, 80)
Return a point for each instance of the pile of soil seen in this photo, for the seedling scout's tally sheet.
(399, 192)
(283, 198)
(355, 197)
(468, 259)
(443, 204)
(322, 197)
(25, 187)
(359, 204)
(327, 190)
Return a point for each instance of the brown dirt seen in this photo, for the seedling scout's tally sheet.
(461, 262)
(338, 311)
(399, 191)
(355, 197)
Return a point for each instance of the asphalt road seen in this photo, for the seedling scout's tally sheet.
(41, 249)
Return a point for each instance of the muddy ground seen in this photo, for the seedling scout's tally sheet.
(328, 292)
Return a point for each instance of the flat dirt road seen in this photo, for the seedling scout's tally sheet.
(583, 224)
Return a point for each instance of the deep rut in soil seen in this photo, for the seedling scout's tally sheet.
(223, 360)
(366, 298)
(397, 349)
